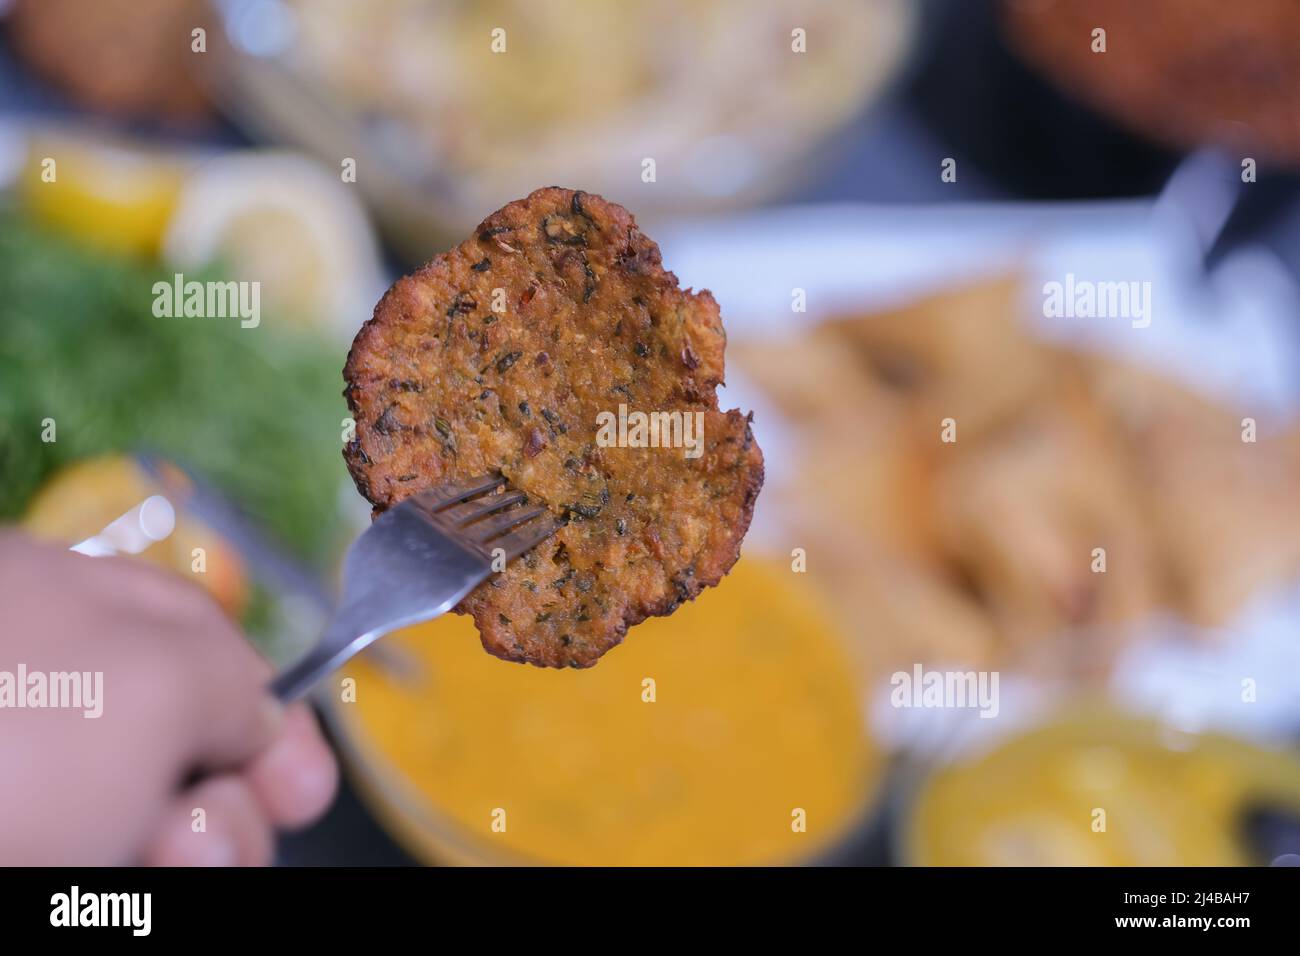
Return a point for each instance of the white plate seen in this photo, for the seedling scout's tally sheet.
(1232, 334)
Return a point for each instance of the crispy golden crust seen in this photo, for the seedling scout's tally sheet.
(501, 355)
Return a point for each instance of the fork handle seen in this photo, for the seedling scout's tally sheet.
(345, 636)
(292, 683)
(341, 640)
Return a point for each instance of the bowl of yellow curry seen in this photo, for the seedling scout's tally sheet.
(731, 733)
(1089, 785)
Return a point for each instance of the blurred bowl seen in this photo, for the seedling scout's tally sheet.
(1089, 785)
(445, 118)
(756, 726)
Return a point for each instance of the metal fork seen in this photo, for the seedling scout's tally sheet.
(416, 562)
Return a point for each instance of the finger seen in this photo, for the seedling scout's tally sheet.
(133, 583)
(235, 724)
(218, 822)
(295, 778)
(226, 718)
(234, 718)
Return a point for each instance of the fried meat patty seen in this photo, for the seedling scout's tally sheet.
(515, 352)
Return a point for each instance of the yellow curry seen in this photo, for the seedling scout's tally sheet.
(730, 733)
(1097, 789)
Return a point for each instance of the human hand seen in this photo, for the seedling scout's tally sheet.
(185, 722)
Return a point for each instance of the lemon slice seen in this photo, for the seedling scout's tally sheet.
(281, 220)
(112, 195)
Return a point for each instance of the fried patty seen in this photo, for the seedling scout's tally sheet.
(513, 352)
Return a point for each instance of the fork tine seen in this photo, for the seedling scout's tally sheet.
(385, 588)
(439, 496)
(527, 537)
(487, 529)
(465, 512)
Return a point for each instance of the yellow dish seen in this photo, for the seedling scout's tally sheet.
(755, 725)
(1099, 789)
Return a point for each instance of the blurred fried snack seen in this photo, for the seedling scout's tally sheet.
(959, 353)
(132, 57)
(845, 423)
(903, 610)
(1023, 511)
(1227, 511)
(969, 550)
(814, 380)
(860, 503)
